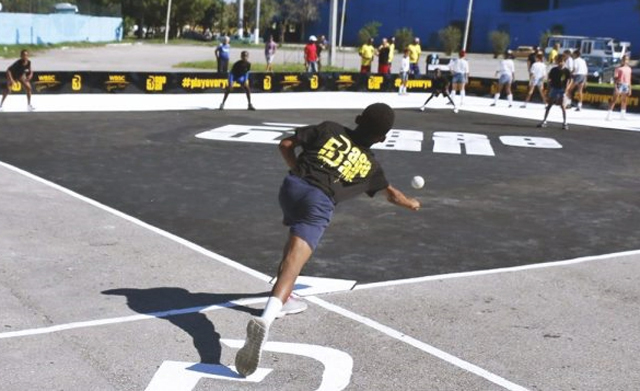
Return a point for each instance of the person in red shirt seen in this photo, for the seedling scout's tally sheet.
(311, 55)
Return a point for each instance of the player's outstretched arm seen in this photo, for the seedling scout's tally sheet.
(287, 150)
(396, 197)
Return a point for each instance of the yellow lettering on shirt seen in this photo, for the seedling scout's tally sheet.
(348, 159)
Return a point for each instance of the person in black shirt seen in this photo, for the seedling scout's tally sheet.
(240, 73)
(19, 72)
(558, 77)
(335, 164)
(440, 86)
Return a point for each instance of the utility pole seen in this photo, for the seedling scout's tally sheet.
(333, 22)
(166, 27)
(344, 10)
(256, 31)
(466, 29)
(240, 18)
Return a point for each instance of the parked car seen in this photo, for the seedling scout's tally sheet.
(523, 51)
(601, 69)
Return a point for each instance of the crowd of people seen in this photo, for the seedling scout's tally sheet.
(564, 73)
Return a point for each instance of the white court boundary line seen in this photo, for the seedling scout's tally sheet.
(392, 333)
(513, 269)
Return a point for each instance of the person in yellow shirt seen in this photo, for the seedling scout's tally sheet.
(367, 52)
(553, 54)
(414, 56)
(392, 49)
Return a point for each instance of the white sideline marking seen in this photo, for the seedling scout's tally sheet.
(161, 232)
(131, 318)
(453, 360)
(496, 271)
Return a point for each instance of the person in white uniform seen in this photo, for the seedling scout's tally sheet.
(578, 78)
(506, 74)
(459, 68)
(537, 78)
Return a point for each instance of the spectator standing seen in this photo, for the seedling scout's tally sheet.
(506, 75)
(311, 55)
(414, 56)
(553, 54)
(559, 76)
(222, 55)
(19, 72)
(537, 77)
(459, 68)
(578, 78)
(568, 64)
(392, 50)
(622, 88)
(269, 52)
(321, 45)
(384, 65)
(366, 52)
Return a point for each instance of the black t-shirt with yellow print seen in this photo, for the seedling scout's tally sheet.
(332, 161)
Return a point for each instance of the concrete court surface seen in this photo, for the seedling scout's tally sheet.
(90, 293)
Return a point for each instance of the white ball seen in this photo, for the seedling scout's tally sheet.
(417, 182)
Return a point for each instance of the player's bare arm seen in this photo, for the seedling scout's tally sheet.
(396, 197)
(287, 150)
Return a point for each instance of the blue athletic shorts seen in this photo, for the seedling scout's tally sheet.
(556, 94)
(307, 210)
(241, 80)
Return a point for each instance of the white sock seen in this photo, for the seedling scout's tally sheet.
(271, 309)
(495, 98)
(580, 105)
(462, 94)
(510, 99)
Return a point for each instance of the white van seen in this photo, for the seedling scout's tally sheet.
(591, 46)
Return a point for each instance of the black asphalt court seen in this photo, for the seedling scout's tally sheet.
(499, 192)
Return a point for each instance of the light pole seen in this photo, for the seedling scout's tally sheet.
(166, 27)
(256, 31)
(466, 29)
(333, 22)
(240, 18)
(344, 10)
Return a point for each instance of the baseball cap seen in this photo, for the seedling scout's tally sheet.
(313, 38)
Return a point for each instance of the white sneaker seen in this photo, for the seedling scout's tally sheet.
(292, 306)
(30, 108)
(455, 110)
(248, 356)
(421, 108)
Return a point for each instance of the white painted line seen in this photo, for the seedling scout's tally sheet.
(402, 337)
(161, 232)
(497, 271)
(131, 318)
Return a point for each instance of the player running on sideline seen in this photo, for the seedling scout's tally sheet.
(558, 79)
(19, 72)
(240, 73)
(335, 164)
(440, 86)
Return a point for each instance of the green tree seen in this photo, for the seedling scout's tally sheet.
(369, 30)
(499, 42)
(404, 37)
(450, 37)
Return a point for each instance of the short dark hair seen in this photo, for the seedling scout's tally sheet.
(244, 54)
(378, 118)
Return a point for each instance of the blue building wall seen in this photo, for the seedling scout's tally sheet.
(615, 18)
(23, 29)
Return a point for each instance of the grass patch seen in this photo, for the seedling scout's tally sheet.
(211, 65)
(13, 51)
